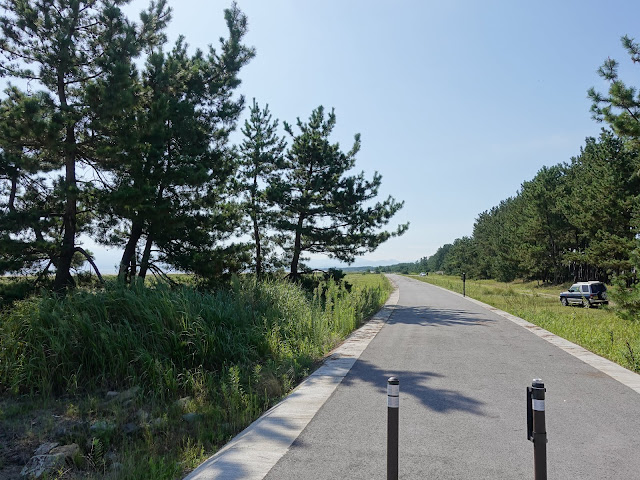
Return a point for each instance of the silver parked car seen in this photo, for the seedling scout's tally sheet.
(585, 294)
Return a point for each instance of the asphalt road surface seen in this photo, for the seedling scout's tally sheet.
(463, 373)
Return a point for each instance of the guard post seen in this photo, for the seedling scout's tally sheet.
(536, 428)
(393, 407)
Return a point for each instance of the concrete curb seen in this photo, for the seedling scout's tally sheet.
(615, 371)
(253, 452)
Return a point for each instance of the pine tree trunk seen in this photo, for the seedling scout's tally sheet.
(146, 255)
(256, 230)
(63, 278)
(256, 236)
(297, 247)
(128, 257)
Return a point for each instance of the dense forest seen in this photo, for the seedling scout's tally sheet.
(574, 221)
(121, 138)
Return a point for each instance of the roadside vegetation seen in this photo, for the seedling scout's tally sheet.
(599, 330)
(148, 381)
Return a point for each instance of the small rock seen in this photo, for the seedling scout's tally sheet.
(45, 448)
(158, 422)
(67, 450)
(191, 417)
(182, 402)
(143, 415)
(121, 397)
(130, 428)
(128, 394)
(41, 464)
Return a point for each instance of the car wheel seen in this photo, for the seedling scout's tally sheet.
(564, 302)
(586, 303)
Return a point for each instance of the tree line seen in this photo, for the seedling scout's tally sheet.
(119, 137)
(574, 221)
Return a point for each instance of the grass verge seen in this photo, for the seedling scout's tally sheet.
(599, 330)
(149, 382)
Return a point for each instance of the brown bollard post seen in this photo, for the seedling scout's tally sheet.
(393, 407)
(536, 428)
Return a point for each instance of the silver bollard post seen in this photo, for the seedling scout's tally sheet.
(393, 407)
(536, 427)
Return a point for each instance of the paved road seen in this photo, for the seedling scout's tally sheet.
(463, 372)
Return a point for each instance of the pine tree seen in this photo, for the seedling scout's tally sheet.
(261, 157)
(321, 207)
(70, 44)
(174, 169)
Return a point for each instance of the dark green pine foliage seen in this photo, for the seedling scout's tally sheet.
(172, 202)
(495, 233)
(62, 47)
(620, 108)
(261, 156)
(321, 207)
(601, 205)
(545, 233)
(29, 206)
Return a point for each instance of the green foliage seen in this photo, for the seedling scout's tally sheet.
(321, 208)
(573, 221)
(164, 339)
(173, 169)
(63, 50)
(260, 158)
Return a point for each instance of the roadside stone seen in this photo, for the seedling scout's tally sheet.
(191, 417)
(143, 415)
(130, 428)
(128, 394)
(122, 397)
(158, 422)
(182, 402)
(45, 448)
(38, 465)
(67, 450)
(41, 464)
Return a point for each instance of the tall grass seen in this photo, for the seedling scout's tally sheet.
(599, 330)
(163, 338)
(227, 355)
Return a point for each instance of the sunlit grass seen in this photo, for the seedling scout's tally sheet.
(599, 330)
(231, 354)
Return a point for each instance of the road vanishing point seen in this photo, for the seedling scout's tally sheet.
(463, 369)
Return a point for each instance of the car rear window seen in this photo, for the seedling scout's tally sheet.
(598, 288)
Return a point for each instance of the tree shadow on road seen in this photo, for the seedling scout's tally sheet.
(435, 317)
(417, 385)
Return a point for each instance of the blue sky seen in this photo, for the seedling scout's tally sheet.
(457, 102)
